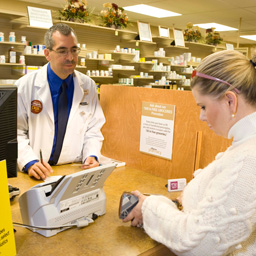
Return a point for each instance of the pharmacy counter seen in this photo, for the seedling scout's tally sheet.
(108, 235)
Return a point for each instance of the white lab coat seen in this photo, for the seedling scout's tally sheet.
(36, 131)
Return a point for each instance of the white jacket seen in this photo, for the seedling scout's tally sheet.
(219, 204)
(36, 131)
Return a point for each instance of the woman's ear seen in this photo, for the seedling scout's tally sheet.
(232, 101)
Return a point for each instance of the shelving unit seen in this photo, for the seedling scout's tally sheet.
(92, 35)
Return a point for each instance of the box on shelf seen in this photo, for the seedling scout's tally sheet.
(128, 67)
(7, 81)
(23, 70)
(116, 66)
(108, 56)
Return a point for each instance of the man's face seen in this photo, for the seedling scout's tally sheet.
(62, 64)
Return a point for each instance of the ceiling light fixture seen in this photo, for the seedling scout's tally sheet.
(150, 11)
(250, 37)
(218, 27)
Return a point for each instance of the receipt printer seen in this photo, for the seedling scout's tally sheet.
(62, 203)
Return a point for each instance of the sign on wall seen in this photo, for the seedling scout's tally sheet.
(156, 133)
(39, 17)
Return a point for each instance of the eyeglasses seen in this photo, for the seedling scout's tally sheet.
(195, 73)
(64, 52)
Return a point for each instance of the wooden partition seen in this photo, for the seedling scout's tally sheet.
(194, 144)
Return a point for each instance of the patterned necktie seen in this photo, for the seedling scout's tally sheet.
(62, 122)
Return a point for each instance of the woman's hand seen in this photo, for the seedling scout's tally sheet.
(135, 216)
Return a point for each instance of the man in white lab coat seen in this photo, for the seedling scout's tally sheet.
(39, 103)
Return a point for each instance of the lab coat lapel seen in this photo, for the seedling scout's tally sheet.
(44, 93)
(77, 97)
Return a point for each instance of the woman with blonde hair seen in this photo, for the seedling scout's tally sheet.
(219, 204)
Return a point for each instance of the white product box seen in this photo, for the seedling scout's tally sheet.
(176, 184)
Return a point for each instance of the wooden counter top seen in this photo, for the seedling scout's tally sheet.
(108, 235)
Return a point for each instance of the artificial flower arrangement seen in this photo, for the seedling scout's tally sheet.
(212, 37)
(114, 16)
(192, 34)
(76, 11)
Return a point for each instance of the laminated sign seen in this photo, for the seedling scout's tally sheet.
(156, 133)
(7, 242)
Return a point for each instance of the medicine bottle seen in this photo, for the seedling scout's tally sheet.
(2, 58)
(82, 62)
(22, 59)
(1, 37)
(174, 85)
(11, 55)
(12, 37)
(23, 39)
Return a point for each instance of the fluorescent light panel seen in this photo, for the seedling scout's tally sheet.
(150, 11)
(250, 37)
(218, 27)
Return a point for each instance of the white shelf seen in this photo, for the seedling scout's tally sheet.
(200, 44)
(185, 73)
(78, 66)
(101, 76)
(122, 69)
(142, 63)
(123, 53)
(12, 64)
(162, 38)
(141, 42)
(179, 66)
(13, 43)
(177, 47)
(12, 15)
(93, 26)
(143, 78)
(97, 59)
(158, 71)
(34, 55)
(158, 57)
(27, 27)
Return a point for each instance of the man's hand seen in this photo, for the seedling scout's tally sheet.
(40, 170)
(90, 162)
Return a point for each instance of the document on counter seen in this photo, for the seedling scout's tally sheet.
(107, 160)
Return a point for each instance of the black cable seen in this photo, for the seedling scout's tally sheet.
(44, 228)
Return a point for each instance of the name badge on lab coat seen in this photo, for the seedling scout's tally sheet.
(84, 103)
(36, 106)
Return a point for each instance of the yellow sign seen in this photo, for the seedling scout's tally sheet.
(7, 242)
